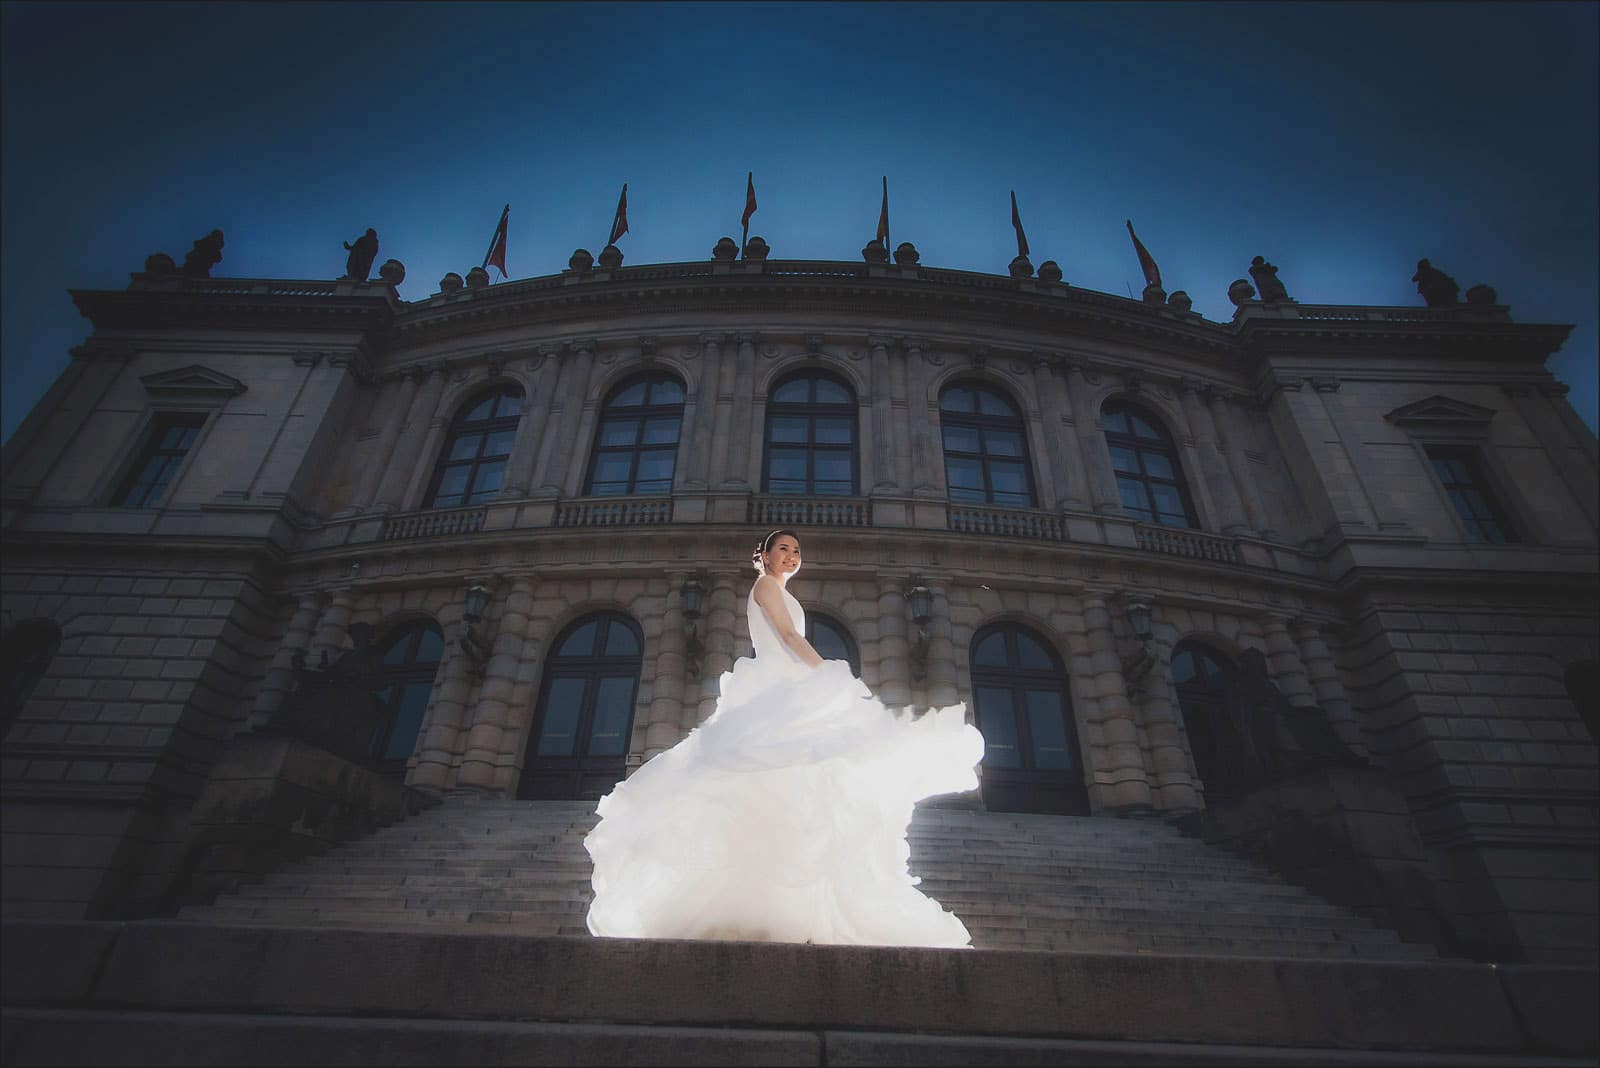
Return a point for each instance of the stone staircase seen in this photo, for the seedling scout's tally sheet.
(1049, 883)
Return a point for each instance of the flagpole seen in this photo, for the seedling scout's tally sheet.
(495, 237)
(886, 213)
(744, 235)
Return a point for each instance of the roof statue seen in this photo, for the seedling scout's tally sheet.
(359, 264)
(1436, 287)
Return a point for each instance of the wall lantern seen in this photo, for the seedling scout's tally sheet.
(471, 642)
(694, 602)
(1136, 666)
(919, 602)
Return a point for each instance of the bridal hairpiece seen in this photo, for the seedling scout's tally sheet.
(761, 548)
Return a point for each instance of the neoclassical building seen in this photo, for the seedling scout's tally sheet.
(496, 541)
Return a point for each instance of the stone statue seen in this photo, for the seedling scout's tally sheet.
(206, 254)
(1437, 288)
(362, 253)
(1267, 284)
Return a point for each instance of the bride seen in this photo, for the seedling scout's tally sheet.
(783, 817)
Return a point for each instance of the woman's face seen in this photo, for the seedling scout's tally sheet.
(782, 557)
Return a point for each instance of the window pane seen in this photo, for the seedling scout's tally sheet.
(830, 392)
(1030, 654)
(1183, 669)
(561, 709)
(613, 467)
(1216, 674)
(480, 411)
(1156, 465)
(453, 480)
(826, 640)
(488, 480)
(1142, 429)
(509, 404)
(653, 486)
(1131, 492)
(1007, 477)
(1167, 499)
(430, 650)
(174, 437)
(396, 653)
(958, 399)
(580, 642)
(991, 403)
(1124, 460)
(787, 428)
(787, 464)
(666, 391)
(797, 391)
(465, 446)
(833, 430)
(613, 712)
(961, 439)
(618, 433)
(963, 474)
(1047, 729)
(620, 641)
(1002, 442)
(991, 652)
(631, 397)
(499, 443)
(1114, 422)
(832, 466)
(657, 464)
(407, 720)
(785, 486)
(661, 431)
(998, 723)
(1013, 500)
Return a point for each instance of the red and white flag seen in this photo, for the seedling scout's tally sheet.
(1147, 263)
(496, 256)
(749, 199)
(619, 224)
(1016, 224)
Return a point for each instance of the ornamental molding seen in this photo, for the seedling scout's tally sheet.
(1441, 412)
(195, 381)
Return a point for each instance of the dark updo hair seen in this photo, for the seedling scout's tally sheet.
(766, 543)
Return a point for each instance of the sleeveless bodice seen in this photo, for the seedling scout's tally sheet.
(769, 647)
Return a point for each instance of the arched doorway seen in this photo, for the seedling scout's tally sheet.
(1031, 761)
(578, 744)
(1201, 676)
(406, 669)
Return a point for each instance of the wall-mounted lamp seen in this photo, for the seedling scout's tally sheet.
(919, 602)
(471, 642)
(694, 602)
(1136, 667)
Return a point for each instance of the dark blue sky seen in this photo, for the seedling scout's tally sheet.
(1341, 141)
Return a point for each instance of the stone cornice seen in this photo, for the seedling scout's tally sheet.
(234, 303)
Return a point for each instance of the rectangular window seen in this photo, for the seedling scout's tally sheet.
(1462, 477)
(171, 436)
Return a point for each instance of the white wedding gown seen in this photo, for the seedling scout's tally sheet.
(783, 817)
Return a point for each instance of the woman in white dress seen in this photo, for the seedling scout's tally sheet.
(783, 817)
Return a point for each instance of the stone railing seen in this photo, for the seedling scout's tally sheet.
(433, 523)
(1192, 543)
(1005, 522)
(613, 512)
(810, 511)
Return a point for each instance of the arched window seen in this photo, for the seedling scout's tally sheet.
(406, 668)
(811, 436)
(27, 651)
(473, 463)
(584, 718)
(636, 444)
(1145, 460)
(985, 446)
(832, 641)
(1031, 761)
(1201, 676)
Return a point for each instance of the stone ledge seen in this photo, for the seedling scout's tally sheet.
(1555, 1004)
(192, 967)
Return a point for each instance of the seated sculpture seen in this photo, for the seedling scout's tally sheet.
(1437, 288)
(206, 254)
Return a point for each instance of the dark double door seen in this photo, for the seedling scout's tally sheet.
(577, 749)
(1031, 761)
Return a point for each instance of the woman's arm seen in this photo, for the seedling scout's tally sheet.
(769, 595)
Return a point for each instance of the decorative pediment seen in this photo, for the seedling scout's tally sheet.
(1442, 412)
(192, 381)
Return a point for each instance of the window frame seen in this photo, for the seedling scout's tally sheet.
(579, 773)
(852, 651)
(1471, 456)
(980, 421)
(1169, 452)
(1201, 708)
(408, 672)
(156, 422)
(641, 413)
(460, 427)
(811, 410)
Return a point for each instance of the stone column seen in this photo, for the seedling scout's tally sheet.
(1125, 785)
(372, 474)
(558, 475)
(883, 473)
(717, 638)
(1224, 418)
(555, 407)
(720, 462)
(333, 629)
(699, 422)
(496, 697)
(401, 465)
(927, 453)
(666, 688)
(1175, 787)
(1051, 429)
(1072, 474)
(279, 679)
(531, 432)
(894, 651)
(1283, 658)
(1229, 509)
(744, 453)
(441, 730)
(1103, 495)
(1325, 682)
(1579, 477)
(899, 441)
(942, 688)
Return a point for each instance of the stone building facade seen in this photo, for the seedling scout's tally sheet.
(531, 506)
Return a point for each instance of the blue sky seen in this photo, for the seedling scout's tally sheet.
(1341, 141)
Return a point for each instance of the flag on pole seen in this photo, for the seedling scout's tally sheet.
(619, 224)
(883, 215)
(1147, 263)
(749, 199)
(1016, 224)
(496, 255)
